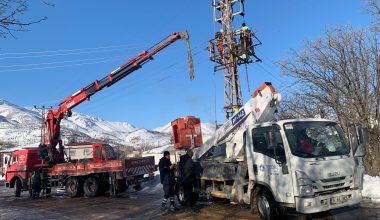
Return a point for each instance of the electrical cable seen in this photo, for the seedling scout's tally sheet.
(58, 62)
(271, 74)
(153, 83)
(54, 67)
(67, 53)
(71, 50)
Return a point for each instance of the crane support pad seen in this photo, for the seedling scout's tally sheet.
(221, 171)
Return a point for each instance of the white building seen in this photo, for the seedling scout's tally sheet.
(158, 153)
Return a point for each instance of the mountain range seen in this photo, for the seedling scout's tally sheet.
(21, 126)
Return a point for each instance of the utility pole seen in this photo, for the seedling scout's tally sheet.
(43, 127)
(231, 48)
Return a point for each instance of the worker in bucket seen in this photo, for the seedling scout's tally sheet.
(186, 168)
(167, 180)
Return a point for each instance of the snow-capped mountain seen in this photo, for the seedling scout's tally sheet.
(22, 126)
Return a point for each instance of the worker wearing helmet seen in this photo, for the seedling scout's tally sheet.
(167, 180)
(245, 39)
(244, 27)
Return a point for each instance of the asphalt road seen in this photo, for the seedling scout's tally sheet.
(144, 204)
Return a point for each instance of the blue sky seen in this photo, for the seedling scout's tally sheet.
(101, 35)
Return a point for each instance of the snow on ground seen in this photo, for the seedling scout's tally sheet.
(371, 189)
(154, 185)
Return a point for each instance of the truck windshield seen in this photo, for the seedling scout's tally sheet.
(110, 153)
(316, 139)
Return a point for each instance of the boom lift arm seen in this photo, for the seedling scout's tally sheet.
(260, 108)
(48, 151)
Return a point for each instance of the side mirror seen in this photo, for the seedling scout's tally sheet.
(358, 138)
(363, 142)
(363, 136)
(360, 151)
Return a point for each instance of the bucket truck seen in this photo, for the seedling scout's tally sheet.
(302, 164)
(95, 168)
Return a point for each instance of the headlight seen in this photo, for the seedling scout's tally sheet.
(306, 190)
(304, 183)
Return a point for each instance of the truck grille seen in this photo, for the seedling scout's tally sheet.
(333, 186)
(333, 179)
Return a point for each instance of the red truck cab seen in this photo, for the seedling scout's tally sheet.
(18, 167)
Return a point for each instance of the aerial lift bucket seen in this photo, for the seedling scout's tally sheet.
(187, 132)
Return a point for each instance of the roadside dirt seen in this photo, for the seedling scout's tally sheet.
(144, 204)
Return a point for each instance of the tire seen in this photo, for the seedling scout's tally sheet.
(267, 207)
(18, 187)
(91, 187)
(180, 194)
(74, 187)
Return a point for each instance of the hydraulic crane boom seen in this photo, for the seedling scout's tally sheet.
(259, 108)
(48, 151)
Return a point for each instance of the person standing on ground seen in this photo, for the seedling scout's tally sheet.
(187, 170)
(36, 184)
(167, 180)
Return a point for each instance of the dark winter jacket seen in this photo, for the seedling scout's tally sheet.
(186, 168)
(166, 174)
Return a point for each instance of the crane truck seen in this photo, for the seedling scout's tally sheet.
(308, 165)
(95, 168)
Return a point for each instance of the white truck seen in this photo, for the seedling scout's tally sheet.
(304, 164)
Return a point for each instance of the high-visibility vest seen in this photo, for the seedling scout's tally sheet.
(244, 28)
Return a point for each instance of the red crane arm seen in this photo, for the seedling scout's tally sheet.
(54, 116)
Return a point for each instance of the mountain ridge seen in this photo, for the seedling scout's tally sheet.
(22, 126)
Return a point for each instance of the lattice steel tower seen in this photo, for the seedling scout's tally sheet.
(229, 49)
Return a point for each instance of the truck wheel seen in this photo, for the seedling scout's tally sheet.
(180, 194)
(266, 206)
(91, 187)
(18, 187)
(73, 187)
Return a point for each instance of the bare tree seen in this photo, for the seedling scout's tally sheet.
(337, 76)
(11, 12)
(373, 8)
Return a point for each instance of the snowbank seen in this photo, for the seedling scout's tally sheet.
(154, 185)
(371, 189)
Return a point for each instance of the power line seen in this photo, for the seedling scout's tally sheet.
(271, 74)
(155, 80)
(54, 67)
(67, 53)
(70, 50)
(58, 62)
